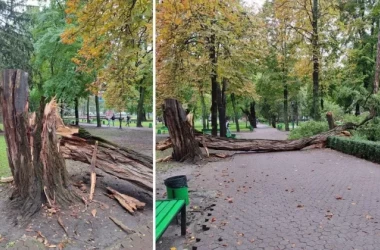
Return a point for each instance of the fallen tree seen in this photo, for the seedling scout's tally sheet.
(262, 145)
(121, 162)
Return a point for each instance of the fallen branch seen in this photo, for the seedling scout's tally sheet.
(120, 162)
(129, 203)
(6, 179)
(165, 159)
(122, 226)
(93, 174)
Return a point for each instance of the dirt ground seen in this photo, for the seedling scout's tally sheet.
(84, 230)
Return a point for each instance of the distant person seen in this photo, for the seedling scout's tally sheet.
(113, 120)
(128, 120)
(228, 126)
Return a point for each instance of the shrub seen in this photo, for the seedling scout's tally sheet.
(307, 129)
(360, 148)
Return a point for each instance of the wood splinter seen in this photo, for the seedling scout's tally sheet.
(129, 203)
(93, 174)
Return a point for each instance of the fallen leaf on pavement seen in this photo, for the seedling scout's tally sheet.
(339, 198)
(93, 212)
(300, 206)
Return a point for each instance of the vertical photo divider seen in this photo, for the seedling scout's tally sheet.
(154, 125)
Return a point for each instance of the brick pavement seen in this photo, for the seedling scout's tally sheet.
(315, 199)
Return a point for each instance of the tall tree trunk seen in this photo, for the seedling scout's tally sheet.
(273, 121)
(76, 111)
(236, 117)
(88, 109)
(286, 117)
(140, 106)
(315, 44)
(377, 71)
(222, 108)
(357, 109)
(98, 122)
(251, 114)
(185, 147)
(204, 111)
(214, 87)
(37, 167)
(62, 109)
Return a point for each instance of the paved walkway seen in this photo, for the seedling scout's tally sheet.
(312, 199)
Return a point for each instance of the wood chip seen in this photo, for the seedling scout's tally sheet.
(129, 203)
(122, 226)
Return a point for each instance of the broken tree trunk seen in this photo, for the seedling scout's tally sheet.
(185, 147)
(330, 120)
(123, 163)
(262, 145)
(38, 169)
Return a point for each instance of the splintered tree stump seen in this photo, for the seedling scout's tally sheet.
(185, 147)
(38, 169)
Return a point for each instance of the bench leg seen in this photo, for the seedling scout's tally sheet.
(183, 220)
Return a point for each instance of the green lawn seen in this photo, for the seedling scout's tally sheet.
(198, 126)
(4, 168)
(116, 123)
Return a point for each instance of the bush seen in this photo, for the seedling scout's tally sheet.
(370, 131)
(310, 128)
(360, 148)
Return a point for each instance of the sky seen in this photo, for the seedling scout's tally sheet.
(259, 2)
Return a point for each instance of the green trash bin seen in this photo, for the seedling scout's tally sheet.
(150, 125)
(176, 188)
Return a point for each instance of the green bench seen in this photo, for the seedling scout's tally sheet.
(166, 211)
(206, 131)
(162, 130)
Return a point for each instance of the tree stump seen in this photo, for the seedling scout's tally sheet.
(185, 147)
(38, 169)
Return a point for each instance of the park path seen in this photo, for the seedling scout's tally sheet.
(311, 199)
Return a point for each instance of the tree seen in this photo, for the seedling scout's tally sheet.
(204, 44)
(116, 47)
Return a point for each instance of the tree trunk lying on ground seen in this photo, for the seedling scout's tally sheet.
(261, 145)
(121, 162)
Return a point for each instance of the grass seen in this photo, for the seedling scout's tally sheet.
(116, 123)
(198, 126)
(4, 167)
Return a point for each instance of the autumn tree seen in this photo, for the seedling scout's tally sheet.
(116, 46)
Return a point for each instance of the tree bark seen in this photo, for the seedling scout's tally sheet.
(38, 169)
(123, 163)
(185, 147)
(204, 111)
(330, 120)
(261, 145)
(222, 108)
(98, 122)
(88, 110)
(140, 107)
(236, 117)
(251, 114)
(315, 44)
(76, 111)
(214, 86)
(286, 117)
